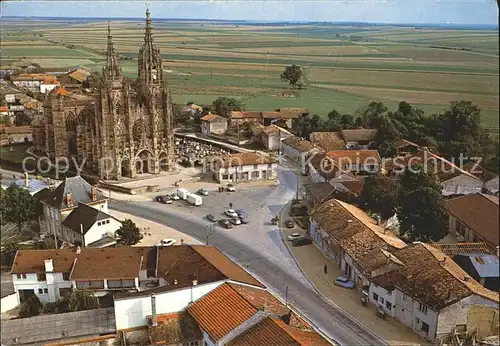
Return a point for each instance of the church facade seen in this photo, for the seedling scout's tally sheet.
(119, 131)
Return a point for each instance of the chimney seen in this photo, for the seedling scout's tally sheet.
(94, 193)
(349, 222)
(26, 179)
(175, 282)
(466, 278)
(78, 250)
(378, 220)
(195, 282)
(49, 265)
(153, 310)
(443, 261)
(69, 199)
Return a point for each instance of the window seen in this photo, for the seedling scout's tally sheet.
(375, 296)
(388, 305)
(389, 293)
(18, 276)
(269, 165)
(255, 175)
(425, 327)
(97, 284)
(422, 308)
(254, 166)
(45, 291)
(404, 297)
(418, 320)
(41, 277)
(40, 291)
(107, 221)
(99, 223)
(66, 276)
(382, 300)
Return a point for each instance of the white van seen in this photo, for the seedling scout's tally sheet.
(194, 199)
(182, 193)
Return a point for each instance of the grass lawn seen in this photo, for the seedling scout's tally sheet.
(17, 154)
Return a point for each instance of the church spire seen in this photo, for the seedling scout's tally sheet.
(111, 70)
(149, 62)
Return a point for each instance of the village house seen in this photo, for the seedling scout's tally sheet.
(42, 83)
(489, 179)
(352, 239)
(243, 167)
(60, 202)
(328, 140)
(359, 138)
(272, 136)
(482, 267)
(241, 117)
(357, 162)
(213, 123)
(474, 218)
(428, 292)
(299, 150)
(75, 79)
(283, 119)
(316, 194)
(191, 110)
(452, 179)
(90, 227)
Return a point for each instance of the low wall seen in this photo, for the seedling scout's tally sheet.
(129, 190)
(9, 302)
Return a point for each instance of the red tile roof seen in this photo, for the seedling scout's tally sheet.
(245, 115)
(354, 156)
(211, 117)
(175, 328)
(299, 144)
(33, 261)
(245, 159)
(303, 337)
(62, 91)
(265, 333)
(358, 135)
(221, 311)
(328, 140)
(479, 212)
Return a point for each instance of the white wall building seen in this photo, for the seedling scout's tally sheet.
(245, 167)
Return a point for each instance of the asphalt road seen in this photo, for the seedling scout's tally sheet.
(258, 246)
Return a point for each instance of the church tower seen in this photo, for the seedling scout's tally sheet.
(157, 101)
(113, 114)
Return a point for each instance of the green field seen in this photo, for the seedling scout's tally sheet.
(346, 66)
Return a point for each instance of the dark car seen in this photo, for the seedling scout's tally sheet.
(244, 220)
(301, 242)
(225, 223)
(163, 199)
(212, 218)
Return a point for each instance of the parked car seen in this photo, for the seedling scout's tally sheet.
(167, 242)
(225, 223)
(235, 221)
(294, 236)
(240, 211)
(163, 199)
(344, 282)
(212, 218)
(174, 196)
(230, 188)
(244, 220)
(289, 223)
(301, 242)
(202, 192)
(231, 213)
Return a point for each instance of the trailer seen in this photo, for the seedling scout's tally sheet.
(182, 193)
(193, 199)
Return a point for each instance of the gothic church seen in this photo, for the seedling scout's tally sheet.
(122, 130)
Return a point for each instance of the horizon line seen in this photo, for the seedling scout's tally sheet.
(262, 21)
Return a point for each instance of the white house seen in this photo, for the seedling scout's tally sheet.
(272, 137)
(428, 292)
(90, 226)
(37, 82)
(299, 150)
(59, 203)
(213, 123)
(243, 167)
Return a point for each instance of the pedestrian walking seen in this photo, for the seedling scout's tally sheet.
(230, 205)
(325, 269)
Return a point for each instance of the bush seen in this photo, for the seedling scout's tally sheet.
(50, 308)
(31, 307)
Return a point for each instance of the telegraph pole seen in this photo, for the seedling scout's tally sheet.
(210, 232)
(286, 296)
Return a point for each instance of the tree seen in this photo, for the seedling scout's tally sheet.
(292, 75)
(31, 307)
(81, 299)
(388, 132)
(22, 119)
(128, 234)
(380, 195)
(8, 252)
(422, 216)
(421, 212)
(225, 105)
(18, 206)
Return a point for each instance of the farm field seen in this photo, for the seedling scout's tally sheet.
(346, 66)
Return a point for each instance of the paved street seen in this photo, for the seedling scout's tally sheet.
(258, 246)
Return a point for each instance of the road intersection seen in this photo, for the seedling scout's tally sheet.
(258, 246)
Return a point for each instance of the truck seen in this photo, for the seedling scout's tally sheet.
(193, 199)
(182, 193)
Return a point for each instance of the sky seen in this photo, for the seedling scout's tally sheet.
(373, 11)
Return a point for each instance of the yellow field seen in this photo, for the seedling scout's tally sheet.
(315, 50)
